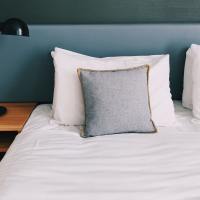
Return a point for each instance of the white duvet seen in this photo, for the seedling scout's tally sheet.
(52, 162)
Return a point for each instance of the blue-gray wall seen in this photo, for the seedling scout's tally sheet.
(101, 11)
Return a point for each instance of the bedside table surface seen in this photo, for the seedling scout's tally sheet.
(16, 116)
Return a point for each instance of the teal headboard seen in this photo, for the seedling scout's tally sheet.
(26, 69)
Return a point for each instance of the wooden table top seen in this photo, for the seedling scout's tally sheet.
(16, 116)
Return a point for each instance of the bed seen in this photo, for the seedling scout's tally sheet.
(50, 161)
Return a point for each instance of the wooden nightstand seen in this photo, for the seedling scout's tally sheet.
(13, 122)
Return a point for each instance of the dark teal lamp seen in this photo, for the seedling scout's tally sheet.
(13, 26)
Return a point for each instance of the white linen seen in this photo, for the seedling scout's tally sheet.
(47, 161)
(68, 105)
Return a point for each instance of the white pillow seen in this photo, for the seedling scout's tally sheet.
(196, 87)
(56, 49)
(191, 93)
(187, 82)
(190, 64)
(68, 106)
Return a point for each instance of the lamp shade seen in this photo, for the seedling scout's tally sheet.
(15, 26)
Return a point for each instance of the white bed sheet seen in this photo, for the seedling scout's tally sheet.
(51, 162)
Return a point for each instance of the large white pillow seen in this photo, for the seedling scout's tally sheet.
(191, 92)
(191, 55)
(196, 87)
(187, 81)
(68, 105)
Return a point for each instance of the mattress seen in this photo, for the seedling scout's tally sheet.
(48, 161)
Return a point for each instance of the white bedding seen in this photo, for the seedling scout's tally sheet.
(51, 162)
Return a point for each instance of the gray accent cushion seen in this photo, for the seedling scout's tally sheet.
(116, 101)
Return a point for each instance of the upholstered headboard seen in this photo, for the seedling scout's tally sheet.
(26, 69)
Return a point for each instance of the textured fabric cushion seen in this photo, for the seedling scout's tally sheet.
(68, 107)
(116, 101)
